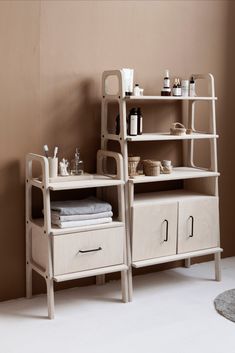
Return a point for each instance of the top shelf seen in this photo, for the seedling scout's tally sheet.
(93, 182)
(168, 98)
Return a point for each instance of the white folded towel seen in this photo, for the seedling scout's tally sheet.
(86, 222)
(55, 216)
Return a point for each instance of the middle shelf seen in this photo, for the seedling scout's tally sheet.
(164, 136)
(177, 174)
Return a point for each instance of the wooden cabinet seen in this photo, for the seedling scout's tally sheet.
(154, 230)
(198, 224)
(173, 223)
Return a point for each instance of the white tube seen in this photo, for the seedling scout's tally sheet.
(128, 79)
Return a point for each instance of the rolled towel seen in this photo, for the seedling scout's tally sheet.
(90, 205)
(55, 216)
(87, 222)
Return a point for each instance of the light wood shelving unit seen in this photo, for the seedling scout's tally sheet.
(167, 226)
(151, 228)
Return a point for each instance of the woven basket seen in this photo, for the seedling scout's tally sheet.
(152, 168)
(132, 165)
(178, 129)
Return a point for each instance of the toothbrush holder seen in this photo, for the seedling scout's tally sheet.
(53, 167)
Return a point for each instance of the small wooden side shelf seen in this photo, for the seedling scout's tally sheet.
(65, 254)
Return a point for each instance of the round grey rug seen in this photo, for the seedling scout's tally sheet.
(225, 304)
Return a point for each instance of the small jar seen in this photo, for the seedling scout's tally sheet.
(137, 90)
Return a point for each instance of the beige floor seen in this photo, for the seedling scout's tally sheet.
(172, 311)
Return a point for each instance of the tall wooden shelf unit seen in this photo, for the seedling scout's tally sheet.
(76, 252)
(171, 225)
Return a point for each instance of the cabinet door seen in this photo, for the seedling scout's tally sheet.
(154, 230)
(198, 224)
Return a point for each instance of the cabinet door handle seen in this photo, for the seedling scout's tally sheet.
(91, 250)
(167, 228)
(192, 226)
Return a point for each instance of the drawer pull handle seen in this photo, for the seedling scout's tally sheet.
(167, 228)
(192, 227)
(91, 250)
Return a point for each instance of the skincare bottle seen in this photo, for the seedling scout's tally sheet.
(137, 90)
(192, 91)
(166, 90)
(133, 122)
(185, 88)
(177, 88)
(140, 122)
(167, 83)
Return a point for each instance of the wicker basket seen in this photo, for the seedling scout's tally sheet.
(178, 129)
(132, 165)
(152, 168)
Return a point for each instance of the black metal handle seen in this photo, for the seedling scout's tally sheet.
(167, 228)
(91, 250)
(192, 226)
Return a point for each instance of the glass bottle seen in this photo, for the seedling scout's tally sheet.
(77, 164)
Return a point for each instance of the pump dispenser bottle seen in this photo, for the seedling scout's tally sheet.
(166, 90)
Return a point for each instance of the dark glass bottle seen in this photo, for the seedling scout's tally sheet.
(140, 122)
(132, 123)
(117, 125)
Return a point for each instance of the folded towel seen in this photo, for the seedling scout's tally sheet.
(78, 207)
(87, 222)
(55, 216)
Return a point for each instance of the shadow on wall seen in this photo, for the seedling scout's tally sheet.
(71, 118)
(12, 250)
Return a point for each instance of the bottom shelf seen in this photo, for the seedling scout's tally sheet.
(90, 273)
(161, 260)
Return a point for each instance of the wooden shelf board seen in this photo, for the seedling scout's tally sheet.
(92, 181)
(60, 231)
(96, 181)
(167, 196)
(176, 257)
(177, 174)
(89, 273)
(169, 137)
(169, 98)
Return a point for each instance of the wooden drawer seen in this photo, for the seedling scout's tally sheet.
(198, 224)
(88, 250)
(154, 230)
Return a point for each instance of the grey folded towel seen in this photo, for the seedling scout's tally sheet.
(90, 205)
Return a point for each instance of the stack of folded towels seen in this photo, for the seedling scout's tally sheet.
(75, 213)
